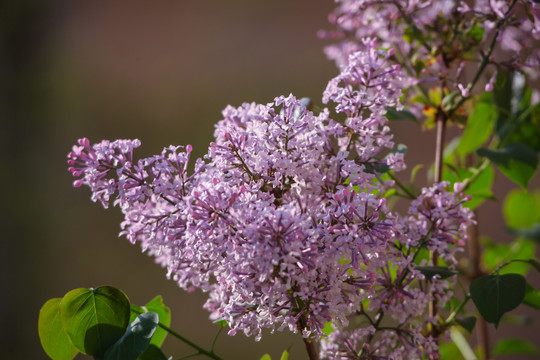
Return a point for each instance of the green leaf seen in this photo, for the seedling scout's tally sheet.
(449, 350)
(136, 338)
(521, 209)
(435, 96)
(430, 271)
(532, 297)
(392, 114)
(519, 320)
(476, 33)
(467, 323)
(478, 129)
(155, 305)
(532, 232)
(328, 328)
(94, 319)
(495, 295)
(152, 352)
(422, 254)
(414, 172)
(285, 355)
(514, 346)
(266, 357)
(221, 323)
(479, 189)
(53, 338)
(496, 254)
(517, 161)
(450, 155)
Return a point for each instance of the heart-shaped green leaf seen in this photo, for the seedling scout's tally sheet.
(136, 338)
(53, 338)
(94, 319)
(495, 295)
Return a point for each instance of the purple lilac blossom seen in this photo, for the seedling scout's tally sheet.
(283, 222)
(425, 45)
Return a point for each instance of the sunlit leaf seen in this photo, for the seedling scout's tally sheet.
(496, 254)
(521, 209)
(449, 350)
(478, 129)
(479, 188)
(476, 33)
(94, 319)
(414, 172)
(515, 346)
(328, 328)
(532, 297)
(514, 319)
(53, 338)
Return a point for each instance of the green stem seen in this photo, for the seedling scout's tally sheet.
(453, 315)
(409, 194)
(215, 338)
(201, 351)
(508, 263)
(476, 173)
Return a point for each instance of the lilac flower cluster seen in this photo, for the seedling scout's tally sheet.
(284, 222)
(441, 42)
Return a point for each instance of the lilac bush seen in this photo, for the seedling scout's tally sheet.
(285, 222)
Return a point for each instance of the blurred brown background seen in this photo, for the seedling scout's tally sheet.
(160, 71)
